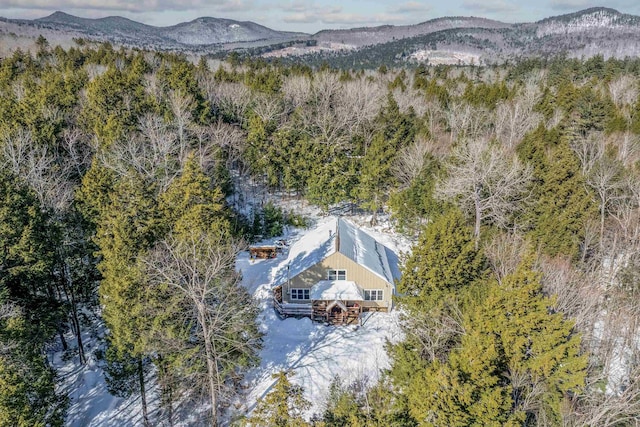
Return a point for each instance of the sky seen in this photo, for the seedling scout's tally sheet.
(308, 16)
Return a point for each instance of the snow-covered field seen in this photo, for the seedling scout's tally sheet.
(437, 57)
(315, 352)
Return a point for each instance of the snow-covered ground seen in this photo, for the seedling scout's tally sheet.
(315, 352)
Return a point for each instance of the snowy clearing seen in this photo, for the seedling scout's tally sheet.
(315, 352)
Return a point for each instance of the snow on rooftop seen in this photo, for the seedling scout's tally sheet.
(329, 290)
(362, 248)
(314, 246)
(354, 243)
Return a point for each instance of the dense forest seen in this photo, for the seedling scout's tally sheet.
(124, 206)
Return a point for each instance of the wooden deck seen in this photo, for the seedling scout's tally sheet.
(287, 309)
(331, 312)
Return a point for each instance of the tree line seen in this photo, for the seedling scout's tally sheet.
(127, 179)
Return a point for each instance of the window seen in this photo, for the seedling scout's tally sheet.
(299, 293)
(337, 274)
(373, 294)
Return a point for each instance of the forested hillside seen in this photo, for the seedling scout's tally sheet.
(124, 205)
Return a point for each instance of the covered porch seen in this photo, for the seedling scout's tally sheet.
(338, 302)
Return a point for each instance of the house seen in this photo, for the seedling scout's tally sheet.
(334, 273)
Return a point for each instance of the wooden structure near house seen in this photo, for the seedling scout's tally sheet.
(263, 252)
(289, 310)
(336, 312)
(335, 273)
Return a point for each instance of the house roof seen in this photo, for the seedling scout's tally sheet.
(362, 248)
(340, 235)
(329, 290)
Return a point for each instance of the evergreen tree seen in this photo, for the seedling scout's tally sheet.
(27, 383)
(375, 180)
(540, 348)
(415, 205)
(127, 227)
(283, 406)
(562, 204)
(516, 363)
(443, 262)
(466, 389)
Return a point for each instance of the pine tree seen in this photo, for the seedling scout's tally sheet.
(27, 383)
(540, 348)
(465, 390)
(516, 363)
(441, 278)
(562, 204)
(283, 406)
(375, 180)
(343, 407)
(127, 227)
(443, 261)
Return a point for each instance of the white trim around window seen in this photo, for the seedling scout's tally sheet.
(299, 294)
(336, 274)
(373, 295)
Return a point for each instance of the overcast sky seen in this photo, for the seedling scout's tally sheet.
(308, 15)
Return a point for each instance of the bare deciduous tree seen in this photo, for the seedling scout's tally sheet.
(605, 178)
(486, 182)
(269, 108)
(410, 161)
(39, 167)
(155, 153)
(505, 252)
(624, 92)
(77, 148)
(223, 335)
(577, 293)
(181, 105)
(436, 331)
(232, 100)
(513, 119)
(336, 111)
(589, 149)
(466, 121)
(627, 146)
(296, 90)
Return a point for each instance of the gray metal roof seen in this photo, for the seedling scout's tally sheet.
(363, 249)
(338, 234)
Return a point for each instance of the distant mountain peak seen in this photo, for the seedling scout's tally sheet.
(57, 16)
(592, 19)
(590, 13)
(58, 13)
(598, 9)
(449, 39)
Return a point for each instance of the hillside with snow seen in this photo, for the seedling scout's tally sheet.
(445, 40)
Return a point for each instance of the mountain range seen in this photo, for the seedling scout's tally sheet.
(589, 32)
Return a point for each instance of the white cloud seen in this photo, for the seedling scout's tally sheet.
(342, 19)
(310, 13)
(572, 5)
(297, 6)
(489, 6)
(127, 5)
(410, 7)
